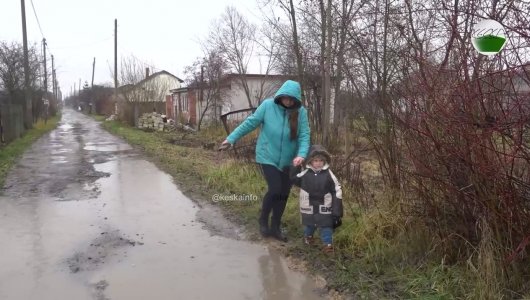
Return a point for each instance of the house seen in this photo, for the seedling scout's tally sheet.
(148, 95)
(231, 93)
(183, 105)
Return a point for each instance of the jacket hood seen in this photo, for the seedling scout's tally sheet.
(290, 89)
(318, 150)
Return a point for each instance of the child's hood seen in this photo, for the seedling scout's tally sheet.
(318, 150)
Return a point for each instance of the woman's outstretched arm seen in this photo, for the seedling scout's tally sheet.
(251, 122)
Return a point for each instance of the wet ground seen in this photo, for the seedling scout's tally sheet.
(84, 216)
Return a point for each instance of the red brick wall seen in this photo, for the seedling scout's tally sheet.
(169, 107)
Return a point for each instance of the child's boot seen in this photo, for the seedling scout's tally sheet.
(328, 249)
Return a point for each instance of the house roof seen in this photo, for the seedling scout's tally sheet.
(228, 77)
(275, 76)
(160, 73)
(179, 90)
(129, 86)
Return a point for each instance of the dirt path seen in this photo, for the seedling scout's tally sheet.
(83, 216)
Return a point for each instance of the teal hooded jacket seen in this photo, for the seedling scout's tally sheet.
(274, 145)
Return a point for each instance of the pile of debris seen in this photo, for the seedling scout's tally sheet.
(180, 126)
(151, 121)
(111, 118)
(159, 122)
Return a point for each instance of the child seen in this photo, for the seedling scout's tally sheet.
(320, 197)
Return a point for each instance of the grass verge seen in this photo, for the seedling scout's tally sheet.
(99, 118)
(12, 151)
(379, 254)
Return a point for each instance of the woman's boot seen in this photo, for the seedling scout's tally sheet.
(264, 227)
(276, 231)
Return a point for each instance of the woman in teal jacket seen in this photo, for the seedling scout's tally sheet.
(283, 140)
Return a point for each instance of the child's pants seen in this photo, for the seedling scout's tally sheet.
(326, 233)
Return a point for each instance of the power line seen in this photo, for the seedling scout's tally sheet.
(38, 22)
(42, 33)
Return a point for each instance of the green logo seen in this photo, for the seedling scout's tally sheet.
(488, 37)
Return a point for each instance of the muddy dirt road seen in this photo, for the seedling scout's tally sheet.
(84, 216)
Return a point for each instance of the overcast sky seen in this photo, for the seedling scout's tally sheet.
(163, 33)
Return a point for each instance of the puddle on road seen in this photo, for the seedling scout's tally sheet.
(60, 151)
(106, 147)
(188, 261)
(65, 126)
(156, 248)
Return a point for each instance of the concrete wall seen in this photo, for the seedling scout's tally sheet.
(235, 97)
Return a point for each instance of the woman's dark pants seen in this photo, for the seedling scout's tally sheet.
(275, 200)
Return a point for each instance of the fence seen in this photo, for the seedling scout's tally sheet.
(246, 146)
(11, 119)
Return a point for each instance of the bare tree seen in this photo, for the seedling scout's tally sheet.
(269, 43)
(326, 74)
(206, 75)
(12, 78)
(138, 86)
(296, 45)
(12, 67)
(234, 36)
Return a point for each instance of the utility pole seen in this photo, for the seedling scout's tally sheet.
(46, 101)
(93, 69)
(115, 62)
(53, 79)
(45, 68)
(54, 85)
(28, 120)
(55, 93)
(92, 104)
(79, 88)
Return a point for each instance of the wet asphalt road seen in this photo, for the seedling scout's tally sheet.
(84, 216)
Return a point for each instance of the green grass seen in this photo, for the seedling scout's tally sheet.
(380, 254)
(99, 118)
(12, 151)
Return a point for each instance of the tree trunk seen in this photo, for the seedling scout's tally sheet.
(327, 108)
(340, 58)
(297, 51)
(321, 101)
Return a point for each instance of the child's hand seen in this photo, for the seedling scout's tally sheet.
(337, 222)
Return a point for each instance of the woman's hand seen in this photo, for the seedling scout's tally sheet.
(298, 161)
(224, 145)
